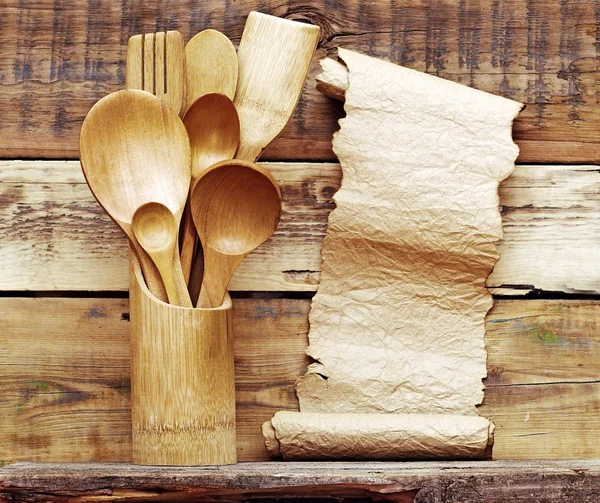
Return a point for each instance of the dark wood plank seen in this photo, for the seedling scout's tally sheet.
(467, 482)
(543, 342)
(64, 395)
(58, 58)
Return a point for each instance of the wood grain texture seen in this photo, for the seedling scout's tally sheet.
(182, 381)
(57, 61)
(541, 423)
(542, 342)
(54, 236)
(50, 222)
(65, 395)
(550, 215)
(467, 482)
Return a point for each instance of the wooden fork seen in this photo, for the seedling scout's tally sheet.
(155, 63)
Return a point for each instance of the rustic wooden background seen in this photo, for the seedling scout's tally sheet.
(64, 353)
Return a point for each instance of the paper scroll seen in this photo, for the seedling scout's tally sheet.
(397, 325)
(305, 435)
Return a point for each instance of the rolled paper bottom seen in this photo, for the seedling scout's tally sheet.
(320, 436)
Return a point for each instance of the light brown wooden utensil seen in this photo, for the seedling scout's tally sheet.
(236, 207)
(156, 230)
(214, 131)
(274, 57)
(134, 149)
(155, 63)
(211, 67)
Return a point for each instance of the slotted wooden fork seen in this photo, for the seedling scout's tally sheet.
(155, 63)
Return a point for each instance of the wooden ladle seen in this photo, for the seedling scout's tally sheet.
(134, 149)
(236, 207)
(156, 230)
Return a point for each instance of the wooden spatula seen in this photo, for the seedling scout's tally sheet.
(274, 57)
(155, 63)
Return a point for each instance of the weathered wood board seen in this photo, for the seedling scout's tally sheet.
(55, 237)
(465, 482)
(58, 59)
(64, 395)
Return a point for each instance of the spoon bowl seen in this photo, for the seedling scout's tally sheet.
(213, 127)
(236, 206)
(156, 230)
(211, 66)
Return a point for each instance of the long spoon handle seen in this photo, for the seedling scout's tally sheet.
(151, 273)
(167, 262)
(188, 242)
(197, 273)
(178, 279)
(218, 270)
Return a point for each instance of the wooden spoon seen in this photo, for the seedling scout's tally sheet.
(134, 149)
(274, 57)
(236, 207)
(214, 130)
(211, 67)
(156, 230)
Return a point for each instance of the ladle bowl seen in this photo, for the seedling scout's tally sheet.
(236, 206)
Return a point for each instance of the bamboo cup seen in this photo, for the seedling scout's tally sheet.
(182, 381)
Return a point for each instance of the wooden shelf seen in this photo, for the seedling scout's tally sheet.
(491, 481)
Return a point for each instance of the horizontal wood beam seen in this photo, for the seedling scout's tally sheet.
(542, 53)
(54, 235)
(467, 482)
(64, 395)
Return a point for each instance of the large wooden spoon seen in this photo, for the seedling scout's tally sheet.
(274, 57)
(134, 149)
(236, 207)
(156, 230)
(214, 130)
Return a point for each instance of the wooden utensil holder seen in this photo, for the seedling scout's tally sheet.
(182, 381)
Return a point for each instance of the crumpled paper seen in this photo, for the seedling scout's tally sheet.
(397, 325)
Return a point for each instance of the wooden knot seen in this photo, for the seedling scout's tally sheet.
(307, 14)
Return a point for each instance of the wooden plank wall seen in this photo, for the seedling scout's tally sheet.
(59, 57)
(64, 354)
